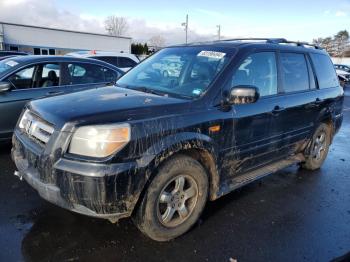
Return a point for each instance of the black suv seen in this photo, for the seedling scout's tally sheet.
(156, 147)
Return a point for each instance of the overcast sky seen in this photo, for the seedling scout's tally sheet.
(295, 20)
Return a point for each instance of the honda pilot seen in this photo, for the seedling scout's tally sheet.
(158, 146)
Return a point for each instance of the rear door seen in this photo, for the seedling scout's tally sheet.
(298, 101)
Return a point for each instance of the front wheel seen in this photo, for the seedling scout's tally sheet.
(319, 148)
(174, 200)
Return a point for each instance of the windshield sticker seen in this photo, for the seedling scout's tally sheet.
(212, 54)
(11, 63)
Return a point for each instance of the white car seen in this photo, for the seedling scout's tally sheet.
(124, 61)
(344, 74)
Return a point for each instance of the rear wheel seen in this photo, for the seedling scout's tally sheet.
(174, 200)
(319, 147)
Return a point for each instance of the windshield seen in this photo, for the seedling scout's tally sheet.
(184, 72)
(6, 65)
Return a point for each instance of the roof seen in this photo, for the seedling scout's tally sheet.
(30, 59)
(93, 53)
(49, 58)
(64, 30)
(281, 43)
(6, 53)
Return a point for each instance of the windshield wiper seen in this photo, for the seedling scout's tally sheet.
(155, 92)
(149, 90)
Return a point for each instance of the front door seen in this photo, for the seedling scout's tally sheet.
(32, 82)
(254, 142)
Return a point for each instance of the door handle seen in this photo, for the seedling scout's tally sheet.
(277, 110)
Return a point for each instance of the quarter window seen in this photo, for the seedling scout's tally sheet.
(295, 73)
(110, 76)
(325, 72)
(258, 70)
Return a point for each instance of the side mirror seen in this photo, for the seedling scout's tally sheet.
(4, 87)
(243, 95)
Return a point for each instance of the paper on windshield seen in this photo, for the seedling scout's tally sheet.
(212, 54)
(11, 63)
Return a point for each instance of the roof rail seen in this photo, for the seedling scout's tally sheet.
(268, 40)
(303, 44)
(274, 41)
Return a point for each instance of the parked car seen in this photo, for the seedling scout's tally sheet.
(343, 81)
(8, 54)
(345, 68)
(157, 149)
(168, 68)
(123, 61)
(343, 76)
(23, 78)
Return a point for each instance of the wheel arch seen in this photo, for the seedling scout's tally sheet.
(195, 145)
(328, 118)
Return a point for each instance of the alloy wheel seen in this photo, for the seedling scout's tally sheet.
(177, 200)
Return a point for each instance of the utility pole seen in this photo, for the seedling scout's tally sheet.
(185, 25)
(219, 32)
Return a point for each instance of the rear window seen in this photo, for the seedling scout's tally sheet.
(325, 71)
(113, 60)
(124, 62)
(295, 74)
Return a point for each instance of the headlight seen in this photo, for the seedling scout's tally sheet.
(99, 141)
(24, 120)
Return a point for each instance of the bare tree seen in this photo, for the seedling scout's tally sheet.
(157, 41)
(116, 26)
(341, 40)
(337, 46)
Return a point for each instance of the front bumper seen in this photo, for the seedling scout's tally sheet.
(107, 191)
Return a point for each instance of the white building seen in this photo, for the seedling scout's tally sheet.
(341, 60)
(43, 41)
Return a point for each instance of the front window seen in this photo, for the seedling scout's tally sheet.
(22, 79)
(258, 70)
(185, 72)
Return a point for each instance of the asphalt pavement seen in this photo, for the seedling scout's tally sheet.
(292, 215)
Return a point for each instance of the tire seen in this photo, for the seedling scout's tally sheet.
(319, 147)
(161, 214)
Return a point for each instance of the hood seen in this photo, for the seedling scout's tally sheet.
(103, 105)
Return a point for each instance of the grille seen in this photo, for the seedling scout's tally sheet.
(35, 127)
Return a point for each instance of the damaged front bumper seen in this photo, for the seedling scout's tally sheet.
(108, 191)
